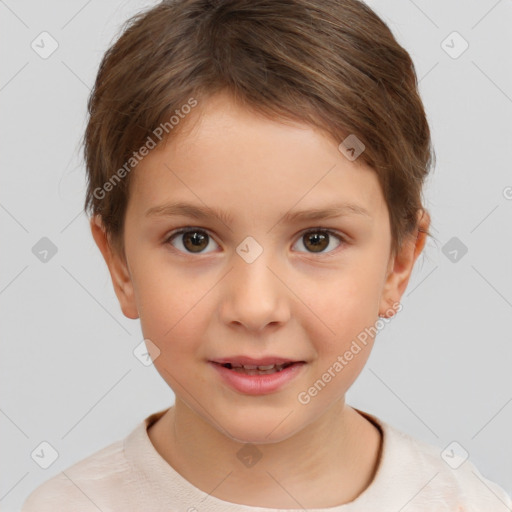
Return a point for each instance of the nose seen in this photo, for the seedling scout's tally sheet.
(255, 294)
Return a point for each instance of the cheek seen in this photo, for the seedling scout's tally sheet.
(342, 355)
(351, 303)
(349, 307)
(171, 308)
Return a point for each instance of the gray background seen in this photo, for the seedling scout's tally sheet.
(440, 371)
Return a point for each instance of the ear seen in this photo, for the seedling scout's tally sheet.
(401, 265)
(118, 269)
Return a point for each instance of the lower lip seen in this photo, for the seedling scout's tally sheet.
(258, 384)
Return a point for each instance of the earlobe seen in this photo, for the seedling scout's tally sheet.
(401, 266)
(118, 268)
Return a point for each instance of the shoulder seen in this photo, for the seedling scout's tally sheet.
(445, 477)
(85, 486)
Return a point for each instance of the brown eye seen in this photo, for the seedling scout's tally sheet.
(316, 241)
(190, 240)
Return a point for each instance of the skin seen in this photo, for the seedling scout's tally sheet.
(291, 302)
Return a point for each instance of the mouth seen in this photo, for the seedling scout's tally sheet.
(256, 366)
(251, 369)
(252, 376)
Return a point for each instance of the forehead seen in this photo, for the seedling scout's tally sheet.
(229, 156)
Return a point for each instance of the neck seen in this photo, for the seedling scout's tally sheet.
(328, 463)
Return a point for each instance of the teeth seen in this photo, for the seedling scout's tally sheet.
(251, 369)
(262, 368)
(257, 367)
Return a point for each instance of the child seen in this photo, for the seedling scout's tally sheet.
(255, 172)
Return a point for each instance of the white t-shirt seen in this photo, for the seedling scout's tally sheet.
(130, 475)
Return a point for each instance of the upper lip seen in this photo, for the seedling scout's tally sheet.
(262, 361)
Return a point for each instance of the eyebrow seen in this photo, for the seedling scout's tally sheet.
(206, 212)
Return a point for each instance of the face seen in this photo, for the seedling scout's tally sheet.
(248, 278)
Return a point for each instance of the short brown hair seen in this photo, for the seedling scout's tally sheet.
(333, 64)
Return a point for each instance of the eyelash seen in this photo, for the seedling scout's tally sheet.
(330, 232)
